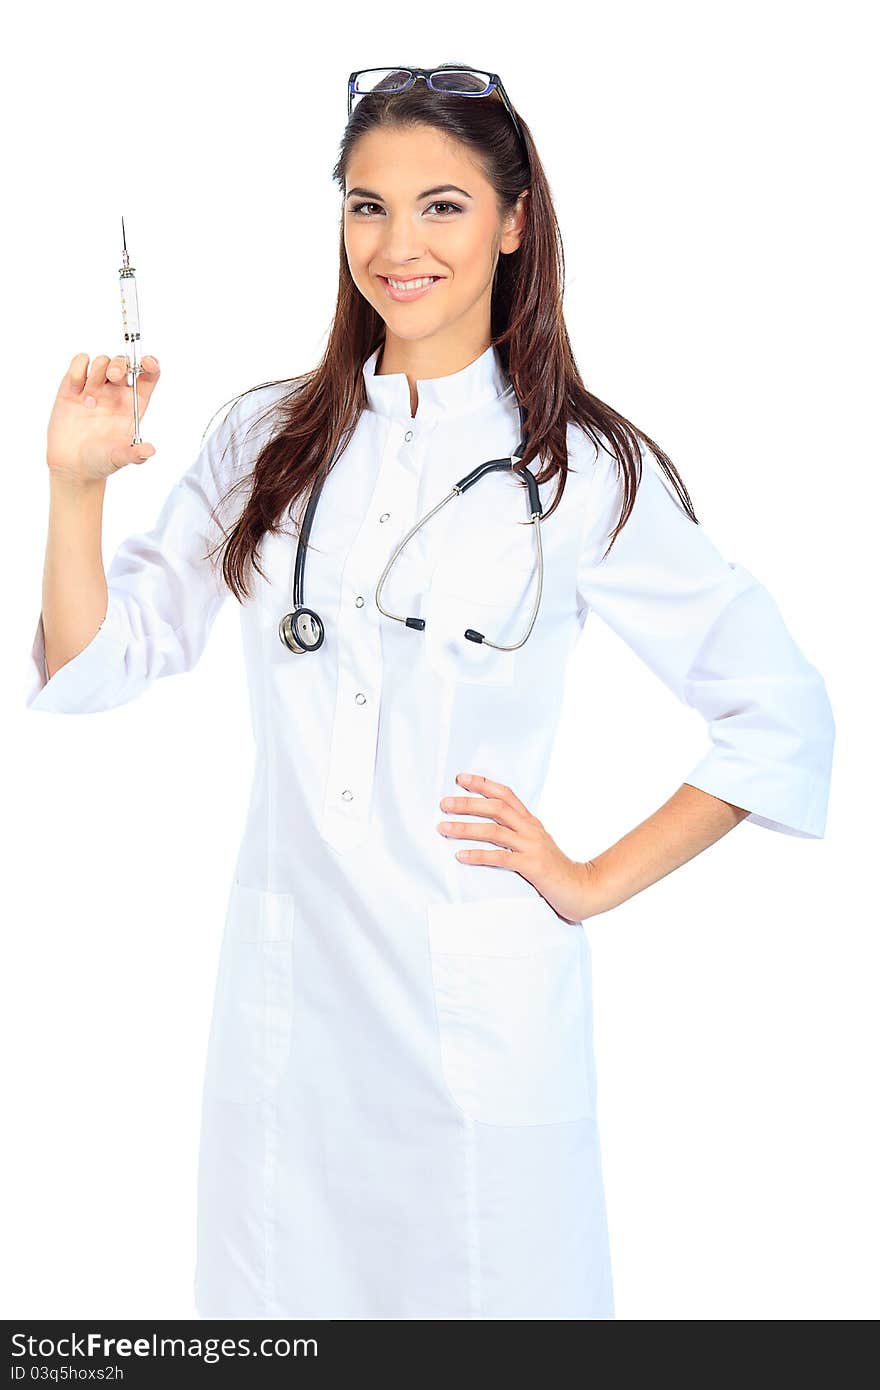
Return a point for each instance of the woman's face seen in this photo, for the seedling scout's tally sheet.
(417, 205)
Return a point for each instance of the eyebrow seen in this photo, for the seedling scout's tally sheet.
(428, 193)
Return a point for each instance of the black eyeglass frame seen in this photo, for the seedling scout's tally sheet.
(495, 84)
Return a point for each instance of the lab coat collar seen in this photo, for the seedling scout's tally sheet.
(477, 385)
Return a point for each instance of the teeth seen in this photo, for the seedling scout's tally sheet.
(411, 284)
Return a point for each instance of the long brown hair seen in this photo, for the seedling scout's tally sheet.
(318, 416)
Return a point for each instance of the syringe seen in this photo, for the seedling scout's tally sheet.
(131, 327)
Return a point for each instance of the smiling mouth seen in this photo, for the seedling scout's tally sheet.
(407, 284)
(411, 291)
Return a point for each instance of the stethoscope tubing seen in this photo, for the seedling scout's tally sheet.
(302, 629)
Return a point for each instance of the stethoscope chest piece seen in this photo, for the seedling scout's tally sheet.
(301, 630)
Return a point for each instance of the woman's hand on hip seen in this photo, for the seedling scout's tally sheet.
(571, 888)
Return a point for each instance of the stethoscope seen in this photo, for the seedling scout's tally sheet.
(303, 631)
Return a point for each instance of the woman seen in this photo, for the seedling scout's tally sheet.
(399, 1113)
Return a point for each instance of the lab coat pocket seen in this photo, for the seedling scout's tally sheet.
(483, 577)
(485, 582)
(455, 657)
(251, 1025)
(512, 986)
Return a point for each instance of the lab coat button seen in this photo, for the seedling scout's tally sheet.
(347, 795)
(408, 436)
(384, 516)
(361, 699)
(359, 601)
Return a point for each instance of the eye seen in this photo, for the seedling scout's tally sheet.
(357, 208)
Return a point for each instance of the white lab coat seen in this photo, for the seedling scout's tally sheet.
(399, 1115)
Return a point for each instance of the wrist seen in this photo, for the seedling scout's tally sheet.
(599, 896)
(65, 484)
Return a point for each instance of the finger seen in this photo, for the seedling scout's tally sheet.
(120, 367)
(122, 454)
(480, 806)
(117, 368)
(76, 372)
(474, 781)
(491, 858)
(485, 830)
(97, 374)
(149, 373)
(147, 380)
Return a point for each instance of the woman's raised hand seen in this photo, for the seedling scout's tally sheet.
(92, 421)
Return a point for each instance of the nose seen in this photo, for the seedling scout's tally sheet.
(403, 242)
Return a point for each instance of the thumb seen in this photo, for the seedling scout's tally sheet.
(132, 453)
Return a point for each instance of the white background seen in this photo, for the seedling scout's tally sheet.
(712, 171)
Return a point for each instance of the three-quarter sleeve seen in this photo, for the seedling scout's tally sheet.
(164, 591)
(714, 635)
